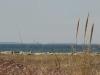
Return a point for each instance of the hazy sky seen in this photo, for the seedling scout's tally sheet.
(47, 21)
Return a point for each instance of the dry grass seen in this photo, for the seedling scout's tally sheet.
(64, 64)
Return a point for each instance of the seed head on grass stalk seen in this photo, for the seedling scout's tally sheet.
(86, 25)
(77, 31)
(91, 35)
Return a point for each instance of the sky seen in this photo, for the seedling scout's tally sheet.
(47, 21)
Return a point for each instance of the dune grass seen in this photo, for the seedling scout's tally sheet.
(61, 64)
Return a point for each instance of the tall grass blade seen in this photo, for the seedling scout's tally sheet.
(92, 29)
(58, 64)
(77, 31)
(86, 27)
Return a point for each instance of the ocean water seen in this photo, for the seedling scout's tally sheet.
(46, 47)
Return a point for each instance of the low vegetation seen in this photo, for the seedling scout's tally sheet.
(61, 64)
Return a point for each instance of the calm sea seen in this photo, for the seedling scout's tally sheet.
(46, 47)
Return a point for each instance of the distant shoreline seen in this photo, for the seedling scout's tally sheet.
(46, 53)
